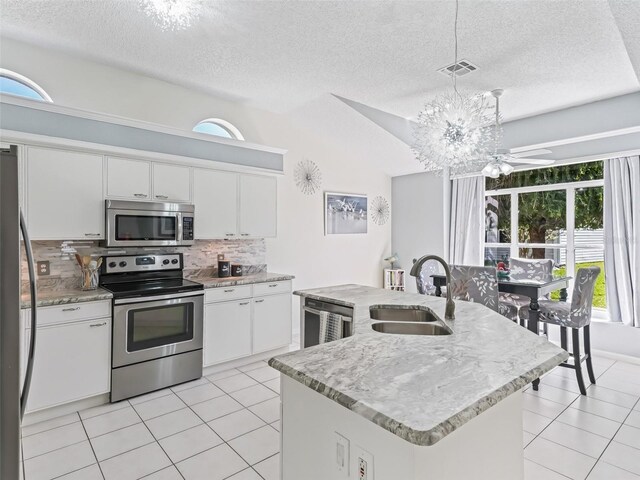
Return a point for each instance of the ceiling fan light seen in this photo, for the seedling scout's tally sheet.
(506, 168)
(487, 170)
(495, 171)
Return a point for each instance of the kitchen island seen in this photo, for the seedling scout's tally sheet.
(405, 407)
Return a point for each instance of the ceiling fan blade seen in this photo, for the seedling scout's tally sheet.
(530, 153)
(531, 161)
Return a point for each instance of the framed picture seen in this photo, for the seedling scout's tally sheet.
(345, 213)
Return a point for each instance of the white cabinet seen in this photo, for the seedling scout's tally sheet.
(215, 196)
(258, 206)
(128, 179)
(171, 183)
(72, 361)
(227, 331)
(271, 322)
(64, 194)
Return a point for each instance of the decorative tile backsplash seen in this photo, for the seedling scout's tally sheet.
(200, 259)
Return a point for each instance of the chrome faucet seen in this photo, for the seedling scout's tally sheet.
(449, 312)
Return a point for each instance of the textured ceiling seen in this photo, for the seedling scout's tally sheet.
(281, 55)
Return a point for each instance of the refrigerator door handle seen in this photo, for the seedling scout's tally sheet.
(33, 292)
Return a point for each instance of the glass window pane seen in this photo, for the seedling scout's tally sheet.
(212, 129)
(542, 218)
(545, 176)
(587, 257)
(498, 219)
(9, 85)
(493, 255)
(558, 255)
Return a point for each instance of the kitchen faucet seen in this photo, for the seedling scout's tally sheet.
(449, 312)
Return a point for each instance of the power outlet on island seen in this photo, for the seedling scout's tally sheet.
(342, 455)
(364, 464)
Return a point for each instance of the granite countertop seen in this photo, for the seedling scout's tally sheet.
(60, 297)
(47, 298)
(263, 277)
(420, 388)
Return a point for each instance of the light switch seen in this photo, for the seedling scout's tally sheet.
(342, 455)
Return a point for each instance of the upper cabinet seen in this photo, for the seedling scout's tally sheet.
(171, 183)
(215, 195)
(128, 179)
(64, 194)
(258, 206)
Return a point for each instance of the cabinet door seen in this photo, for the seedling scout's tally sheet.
(72, 361)
(128, 179)
(258, 215)
(271, 322)
(64, 195)
(171, 183)
(227, 331)
(215, 195)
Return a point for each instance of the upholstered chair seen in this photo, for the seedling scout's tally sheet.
(424, 281)
(475, 284)
(524, 270)
(576, 316)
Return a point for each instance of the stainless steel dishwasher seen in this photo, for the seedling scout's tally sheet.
(312, 313)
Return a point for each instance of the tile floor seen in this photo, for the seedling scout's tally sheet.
(225, 426)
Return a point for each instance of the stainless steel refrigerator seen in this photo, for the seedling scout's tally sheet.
(13, 394)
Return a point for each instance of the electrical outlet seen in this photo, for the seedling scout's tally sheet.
(363, 464)
(342, 455)
(43, 268)
(220, 257)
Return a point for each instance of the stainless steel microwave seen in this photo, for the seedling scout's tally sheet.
(148, 224)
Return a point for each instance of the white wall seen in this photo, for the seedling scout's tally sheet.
(301, 247)
(418, 220)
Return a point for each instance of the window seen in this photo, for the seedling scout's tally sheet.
(553, 212)
(15, 84)
(218, 127)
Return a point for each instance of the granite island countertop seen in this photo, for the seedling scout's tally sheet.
(420, 388)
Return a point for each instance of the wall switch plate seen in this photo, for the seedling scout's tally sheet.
(341, 455)
(363, 463)
(43, 268)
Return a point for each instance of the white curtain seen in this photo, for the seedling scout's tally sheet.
(622, 239)
(466, 232)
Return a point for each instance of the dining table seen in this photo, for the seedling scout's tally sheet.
(534, 289)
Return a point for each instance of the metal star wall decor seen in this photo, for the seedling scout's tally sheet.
(380, 210)
(307, 176)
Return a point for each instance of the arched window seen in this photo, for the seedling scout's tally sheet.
(15, 84)
(219, 127)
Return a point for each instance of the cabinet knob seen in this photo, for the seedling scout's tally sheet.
(244, 303)
(91, 234)
(230, 290)
(73, 309)
(163, 197)
(230, 234)
(98, 324)
(260, 301)
(245, 234)
(140, 195)
(273, 285)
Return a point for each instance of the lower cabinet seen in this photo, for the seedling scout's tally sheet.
(227, 331)
(271, 322)
(72, 361)
(242, 325)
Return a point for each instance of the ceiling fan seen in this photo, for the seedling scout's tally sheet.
(501, 159)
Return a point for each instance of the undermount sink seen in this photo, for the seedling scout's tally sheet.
(411, 328)
(392, 313)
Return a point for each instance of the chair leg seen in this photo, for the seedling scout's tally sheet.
(576, 359)
(563, 338)
(587, 351)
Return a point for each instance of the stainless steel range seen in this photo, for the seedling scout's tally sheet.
(157, 323)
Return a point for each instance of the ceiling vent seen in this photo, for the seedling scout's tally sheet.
(459, 69)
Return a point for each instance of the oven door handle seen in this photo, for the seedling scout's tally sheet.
(169, 296)
(317, 312)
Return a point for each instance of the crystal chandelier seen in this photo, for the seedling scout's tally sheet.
(498, 160)
(172, 14)
(452, 130)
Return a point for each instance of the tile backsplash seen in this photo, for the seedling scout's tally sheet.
(200, 259)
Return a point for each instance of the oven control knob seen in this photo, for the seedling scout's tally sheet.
(165, 262)
(123, 264)
(174, 261)
(112, 264)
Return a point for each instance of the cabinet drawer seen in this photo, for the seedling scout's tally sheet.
(222, 294)
(72, 312)
(270, 288)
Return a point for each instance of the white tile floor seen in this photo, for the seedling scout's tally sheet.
(225, 426)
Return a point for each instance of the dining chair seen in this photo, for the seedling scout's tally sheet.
(475, 284)
(576, 316)
(424, 281)
(524, 270)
